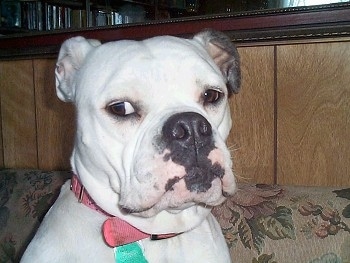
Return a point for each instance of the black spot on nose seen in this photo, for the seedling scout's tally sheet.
(189, 138)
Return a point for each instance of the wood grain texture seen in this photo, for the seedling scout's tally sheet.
(252, 137)
(1, 147)
(314, 114)
(18, 114)
(55, 119)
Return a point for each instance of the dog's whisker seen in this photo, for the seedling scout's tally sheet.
(234, 148)
(243, 179)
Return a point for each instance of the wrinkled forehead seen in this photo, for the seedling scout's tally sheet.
(156, 61)
(159, 49)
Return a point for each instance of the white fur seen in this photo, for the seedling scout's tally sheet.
(71, 232)
(117, 159)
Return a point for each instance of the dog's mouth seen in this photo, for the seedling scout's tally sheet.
(181, 193)
(147, 212)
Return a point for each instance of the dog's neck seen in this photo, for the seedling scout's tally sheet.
(116, 231)
(83, 196)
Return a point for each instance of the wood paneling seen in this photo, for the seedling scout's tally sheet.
(18, 114)
(55, 119)
(314, 114)
(252, 136)
(307, 144)
(1, 148)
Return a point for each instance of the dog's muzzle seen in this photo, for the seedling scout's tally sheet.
(189, 138)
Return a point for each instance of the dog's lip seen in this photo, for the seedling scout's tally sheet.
(172, 210)
(127, 210)
(154, 208)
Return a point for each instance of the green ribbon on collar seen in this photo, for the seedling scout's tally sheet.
(129, 253)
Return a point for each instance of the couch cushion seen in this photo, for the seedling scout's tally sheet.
(265, 223)
(25, 197)
(261, 223)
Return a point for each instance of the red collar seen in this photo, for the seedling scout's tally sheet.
(83, 196)
(116, 231)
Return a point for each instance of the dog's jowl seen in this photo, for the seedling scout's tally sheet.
(149, 159)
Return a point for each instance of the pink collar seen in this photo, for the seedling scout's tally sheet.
(83, 196)
(116, 231)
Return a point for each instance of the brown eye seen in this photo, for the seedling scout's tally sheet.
(121, 109)
(212, 96)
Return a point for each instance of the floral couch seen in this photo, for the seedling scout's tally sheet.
(261, 223)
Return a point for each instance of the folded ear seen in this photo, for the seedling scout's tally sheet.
(71, 56)
(224, 54)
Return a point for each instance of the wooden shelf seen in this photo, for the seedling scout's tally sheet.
(243, 28)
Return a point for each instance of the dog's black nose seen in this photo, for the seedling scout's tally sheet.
(187, 129)
(189, 139)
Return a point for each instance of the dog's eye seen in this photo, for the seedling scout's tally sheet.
(121, 109)
(211, 96)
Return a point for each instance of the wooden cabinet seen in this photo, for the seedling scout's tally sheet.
(55, 123)
(252, 136)
(52, 15)
(291, 120)
(313, 113)
(18, 114)
(37, 128)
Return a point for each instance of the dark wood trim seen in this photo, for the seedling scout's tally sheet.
(279, 24)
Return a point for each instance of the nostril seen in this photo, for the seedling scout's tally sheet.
(187, 128)
(178, 132)
(205, 128)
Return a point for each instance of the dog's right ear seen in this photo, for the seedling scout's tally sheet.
(71, 56)
(224, 54)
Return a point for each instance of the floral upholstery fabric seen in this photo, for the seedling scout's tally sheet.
(261, 223)
(268, 224)
(25, 197)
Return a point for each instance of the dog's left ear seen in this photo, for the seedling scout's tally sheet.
(71, 57)
(224, 54)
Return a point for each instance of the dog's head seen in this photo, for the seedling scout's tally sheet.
(152, 120)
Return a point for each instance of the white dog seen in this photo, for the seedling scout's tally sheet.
(149, 159)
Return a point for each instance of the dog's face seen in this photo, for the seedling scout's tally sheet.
(152, 120)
